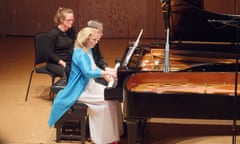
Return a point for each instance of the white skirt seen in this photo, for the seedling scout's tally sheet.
(105, 117)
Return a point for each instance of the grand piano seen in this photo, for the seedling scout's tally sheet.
(203, 63)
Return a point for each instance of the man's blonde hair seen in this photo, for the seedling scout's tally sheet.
(95, 24)
(83, 35)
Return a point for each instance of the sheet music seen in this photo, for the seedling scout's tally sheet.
(132, 49)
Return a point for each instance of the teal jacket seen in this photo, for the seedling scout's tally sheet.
(81, 72)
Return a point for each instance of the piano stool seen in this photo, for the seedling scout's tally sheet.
(73, 124)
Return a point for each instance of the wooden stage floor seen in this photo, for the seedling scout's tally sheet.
(26, 122)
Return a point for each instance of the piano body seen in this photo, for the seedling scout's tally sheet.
(195, 95)
(201, 81)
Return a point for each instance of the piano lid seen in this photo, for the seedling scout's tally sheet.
(190, 22)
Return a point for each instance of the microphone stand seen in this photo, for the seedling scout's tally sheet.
(165, 4)
(234, 127)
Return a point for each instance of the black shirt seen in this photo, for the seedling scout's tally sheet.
(61, 45)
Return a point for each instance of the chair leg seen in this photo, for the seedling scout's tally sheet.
(50, 92)
(29, 84)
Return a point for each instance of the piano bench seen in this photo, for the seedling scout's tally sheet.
(72, 125)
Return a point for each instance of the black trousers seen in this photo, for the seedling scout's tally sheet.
(59, 70)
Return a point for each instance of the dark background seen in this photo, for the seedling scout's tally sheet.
(121, 18)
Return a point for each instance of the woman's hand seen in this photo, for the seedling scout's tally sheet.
(62, 63)
(112, 72)
(109, 74)
(108, 78)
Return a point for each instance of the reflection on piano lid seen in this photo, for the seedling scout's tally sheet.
(189, 22)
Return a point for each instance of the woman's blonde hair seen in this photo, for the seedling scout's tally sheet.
(83, 35)
(60, 14)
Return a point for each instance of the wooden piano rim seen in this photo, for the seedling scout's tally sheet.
(221, 83)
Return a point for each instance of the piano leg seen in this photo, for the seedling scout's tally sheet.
(135, 128)
(132, 130)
